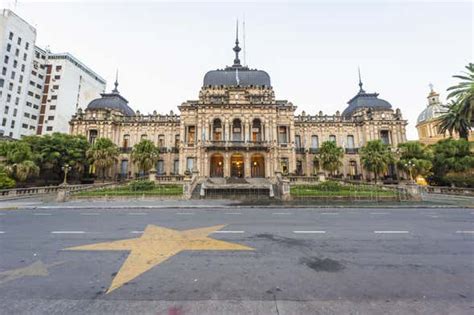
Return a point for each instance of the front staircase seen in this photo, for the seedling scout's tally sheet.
(234, 188)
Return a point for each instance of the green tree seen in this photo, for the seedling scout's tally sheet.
(375, 157)
(463, 92)
(103, 154)
(6, 181)
(55, 150)
(454, 120)
(18, 160)
(453, 156)
(145, 154)
(416, 154)
(330, 156)
(460, 115)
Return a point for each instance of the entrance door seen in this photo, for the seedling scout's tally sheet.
(237, 165)
(217, 165)
(258, 166)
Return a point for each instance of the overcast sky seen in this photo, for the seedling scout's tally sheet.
(310, 49)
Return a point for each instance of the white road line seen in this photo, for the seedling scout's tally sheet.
(309, 232)
(86, 213)
(68, 232)
(281, 213)
(233, 213)
(230, 232)
(137, 213)
(330, 213)
(434, 216)
(136, 232)
(379, 213)
(2, 232)
(391, 232)
(185, 213)
(41, 213)
(465, 232)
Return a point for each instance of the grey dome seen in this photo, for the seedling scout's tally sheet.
(237, 76)
(113, 101)
(431, 112)
(365, 100)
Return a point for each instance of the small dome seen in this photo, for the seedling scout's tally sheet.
(431, 112)
(113, 101)
(366, 100)
(237, 76)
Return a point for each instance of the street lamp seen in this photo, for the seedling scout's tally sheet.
(410, 165)
(66, 168)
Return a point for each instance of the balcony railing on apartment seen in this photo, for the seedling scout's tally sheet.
(256, 145)
(352, 150)
(300, 150)
(161, 150)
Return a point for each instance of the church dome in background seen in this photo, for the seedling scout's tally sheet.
(434, 109)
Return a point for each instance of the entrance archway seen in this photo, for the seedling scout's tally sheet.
(217, 165)
(237, 165)
(258, 165)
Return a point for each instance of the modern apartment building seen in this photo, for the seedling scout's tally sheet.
(68, 85)
(39, 90)
(17, 49)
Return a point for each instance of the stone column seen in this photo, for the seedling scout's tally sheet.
(247, 166)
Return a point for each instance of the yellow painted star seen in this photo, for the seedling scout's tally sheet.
(156, 245)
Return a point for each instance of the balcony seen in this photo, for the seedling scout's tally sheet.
(314, 150)
(243, 145)
(299, 150)
(126, 149)
(352, 150)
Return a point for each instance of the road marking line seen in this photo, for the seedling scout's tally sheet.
(434, 216)
(233, 213)
(2, 213)
(2, 232)
(137, 213)
(185, 213)
(379, 213)
(309, 232)
(86, 213)
(330, 213)
(68, 232)
(41, 213)
(229, 232)
(391, 232)
(136, 232)
(465, 232)
(282, 213)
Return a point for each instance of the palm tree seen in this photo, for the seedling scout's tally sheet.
(330, 156)
(454, 120)
(18, 160)
(375, 157)
(459, 117)
(103, 154)
(463, 92)
(145, 154)
(415, 158)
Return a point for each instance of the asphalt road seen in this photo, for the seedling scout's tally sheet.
(273, 261)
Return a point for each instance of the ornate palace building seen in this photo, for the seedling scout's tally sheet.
(237, 128)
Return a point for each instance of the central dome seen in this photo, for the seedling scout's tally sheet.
(237, 75)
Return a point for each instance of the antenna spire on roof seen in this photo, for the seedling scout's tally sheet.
(237, 48)
(361, 90)
(431, 87)
(245, 48)
(115, 90)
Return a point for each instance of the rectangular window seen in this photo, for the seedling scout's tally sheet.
(15, 63)
(10, 35)
(2, 82)
(282, 134)
(15, 111)
(33, 117)
(52, 107)
(190, 164)
(54, 97)
(5, 60)
(332, 138)
(10, 86)
(191, 135)
(6, 109)
(385, 136)
(25, 126)
(50, 117)
(176, 167)
(17, 52)
(160, 167)
(12, 124)
(4, 122)
(19, 41)
(49, 128)
(350, 142)
(27, 115)
(12, 75)
(58, 68)
(4, 70)
(161, 141)
(314, 142)
(57, 77)
(27, 45)
(9, 47)
(298, 141)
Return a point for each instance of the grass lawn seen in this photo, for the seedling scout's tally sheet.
(159, 190)
(344, 191)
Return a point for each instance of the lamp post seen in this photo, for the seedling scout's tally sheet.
(66, 168)
(409, 165)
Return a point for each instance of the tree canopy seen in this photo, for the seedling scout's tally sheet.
(416, 154)
(375, 157)
(103, 154)
(145, 154)
(330, 156)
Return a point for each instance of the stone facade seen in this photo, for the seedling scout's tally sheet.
(238, 129)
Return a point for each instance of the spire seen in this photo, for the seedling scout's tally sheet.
(115, 90)
(361, 90)
(237, 48)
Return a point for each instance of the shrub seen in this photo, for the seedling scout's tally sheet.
(459, 180)
(141, 185)
(329, 186)
(6, 182)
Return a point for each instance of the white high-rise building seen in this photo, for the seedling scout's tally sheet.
(17, 48)
(39, 90)
(68, 85)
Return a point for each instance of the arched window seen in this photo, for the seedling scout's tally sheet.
(126, 141)
(143, 136)
(161, 141)
(92, 136)
(257, 130)
(217, 130)
(236, 130)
